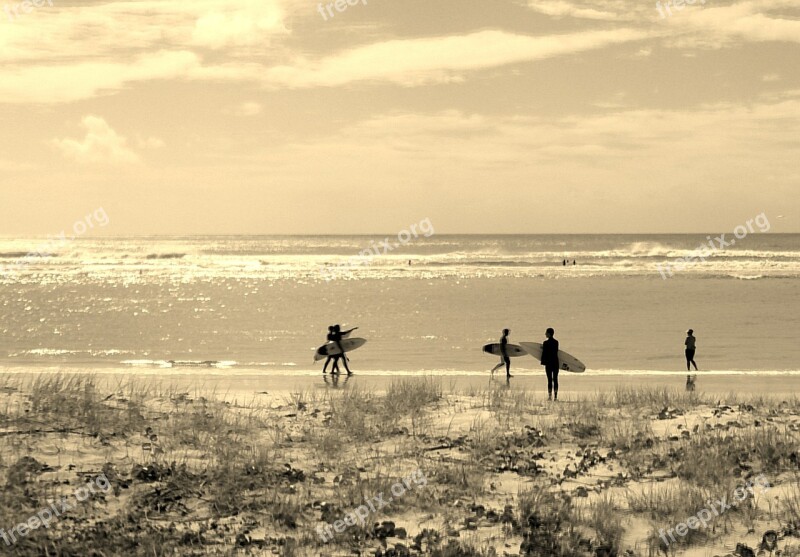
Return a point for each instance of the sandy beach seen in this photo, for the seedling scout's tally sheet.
(207, 203)
(392, 466)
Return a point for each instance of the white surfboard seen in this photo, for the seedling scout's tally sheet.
(513, 350)
(330, 348)
(566, 361)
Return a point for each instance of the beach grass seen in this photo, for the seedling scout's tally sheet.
(430, 469)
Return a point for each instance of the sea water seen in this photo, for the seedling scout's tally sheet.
(245, 304)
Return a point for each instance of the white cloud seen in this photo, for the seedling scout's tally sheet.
(71, 82)
(413, 62)
(561, 8)
(100, 145)
(408, 62)
(243, 22)
(751, 21)
(133, 27)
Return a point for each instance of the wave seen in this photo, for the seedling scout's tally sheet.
(764, 257)
(65, 352)
(26, 255)
(165, 256)
(180, 363)
(14, 254)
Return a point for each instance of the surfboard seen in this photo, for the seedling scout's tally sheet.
(513, 350)
(330, 348)
(567, 362)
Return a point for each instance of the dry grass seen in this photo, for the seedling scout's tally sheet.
(252, 479)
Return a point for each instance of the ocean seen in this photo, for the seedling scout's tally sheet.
(262, 304)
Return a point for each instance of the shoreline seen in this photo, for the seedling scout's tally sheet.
(255, 384)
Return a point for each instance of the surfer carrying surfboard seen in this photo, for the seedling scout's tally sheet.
(336, 336)
(550, 363)
(330, 359)
(504, 359)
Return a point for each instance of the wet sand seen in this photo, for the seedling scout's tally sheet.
(239, 385)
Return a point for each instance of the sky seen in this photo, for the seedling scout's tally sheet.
(484, 116)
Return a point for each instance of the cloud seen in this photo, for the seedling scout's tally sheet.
(632, 144)
(751, 21)
(100, 145)
(407, 62)
(703, 23)
(243, 22)
(132, 27)
(71, 82)
(246, 109)
(413, 62)
(75, 53)
(560, 8)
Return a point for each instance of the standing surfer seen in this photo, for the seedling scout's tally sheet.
(550, 363)
(690, 348)
(504, 359)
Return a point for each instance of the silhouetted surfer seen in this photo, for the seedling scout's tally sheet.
(330, 359)
(504, 359)
(551, 364)
(338, 335)
(690, 348)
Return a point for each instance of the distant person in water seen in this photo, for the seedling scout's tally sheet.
(564, 263)
(504, 359)
(551, 363)
(690, 348)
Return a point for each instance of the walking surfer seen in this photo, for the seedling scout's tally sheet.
(338, 335)
(690, 348)
(330, 359)
(504, 359)
(335, 335)
(551, 364)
